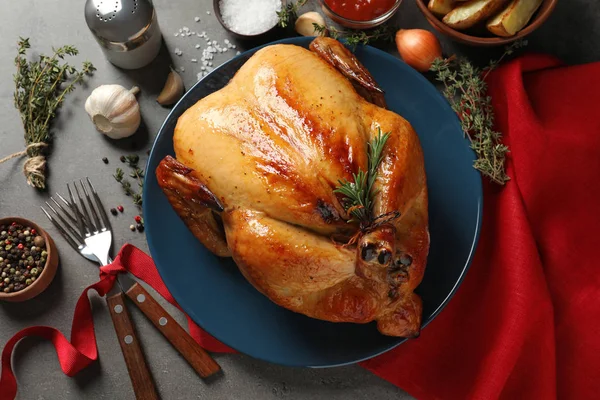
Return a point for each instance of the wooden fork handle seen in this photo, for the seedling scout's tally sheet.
(195, 355)
(141, 379)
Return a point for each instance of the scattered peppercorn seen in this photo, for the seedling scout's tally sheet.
(120, 208)
(132, 228)
(23, 257)
(113, 211)
(105, 160)
(140, 228)
(123, 159)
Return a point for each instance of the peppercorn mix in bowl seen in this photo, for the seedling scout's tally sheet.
(28, 259)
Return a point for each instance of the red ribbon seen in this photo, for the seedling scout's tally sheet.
(82, 350)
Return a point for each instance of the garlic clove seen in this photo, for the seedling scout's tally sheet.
(304, 24)
(114, 110)
(172, 91)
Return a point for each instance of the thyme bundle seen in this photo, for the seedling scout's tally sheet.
(39, 93)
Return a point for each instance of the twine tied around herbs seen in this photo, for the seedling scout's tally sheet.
(35, 166)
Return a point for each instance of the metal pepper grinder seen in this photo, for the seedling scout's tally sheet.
(127, 30)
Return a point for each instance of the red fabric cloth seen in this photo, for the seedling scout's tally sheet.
(525, 323)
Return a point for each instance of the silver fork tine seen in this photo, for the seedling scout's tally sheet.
(65, 223)
(68, 215)
(75, 210)
(62, 231)
(105, 220)
(87, 220)
(92, 208)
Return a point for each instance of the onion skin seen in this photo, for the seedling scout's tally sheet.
(418, 48)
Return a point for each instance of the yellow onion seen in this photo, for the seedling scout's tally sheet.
(418, 48)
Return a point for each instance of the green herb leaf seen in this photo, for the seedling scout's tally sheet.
(466, 90)
(359, 194)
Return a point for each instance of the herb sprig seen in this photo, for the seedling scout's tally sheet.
(353, 38)
(39, 93)
(466, 90)
(289, 13)
(359, 194)
(137, 173)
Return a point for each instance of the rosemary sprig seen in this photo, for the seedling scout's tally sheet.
(466, 90)
(358, 200)
(355, 37)
(289, 13)
(137, 173)
(39, 93)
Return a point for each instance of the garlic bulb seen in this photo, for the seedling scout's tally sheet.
(114, 110)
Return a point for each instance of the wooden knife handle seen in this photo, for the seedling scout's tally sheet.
(141, 379)
(195, 355)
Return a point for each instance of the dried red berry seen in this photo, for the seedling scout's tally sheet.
(138, 219)
(20, 246)
(120, 208)
(33, 232)
(14, 224)
(7, 242)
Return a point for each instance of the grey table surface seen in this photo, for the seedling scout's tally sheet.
(571, 33)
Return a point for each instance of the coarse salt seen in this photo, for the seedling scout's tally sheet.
(197, 46)
(250, 17)
(197, 19)
(182, 69)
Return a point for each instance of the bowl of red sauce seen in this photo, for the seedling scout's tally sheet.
(360, 14)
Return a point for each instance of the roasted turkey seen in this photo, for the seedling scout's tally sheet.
(254, 178)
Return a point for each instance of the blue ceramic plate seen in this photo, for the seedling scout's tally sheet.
(218, 298)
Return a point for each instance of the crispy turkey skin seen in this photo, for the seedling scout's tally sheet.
(254, 175)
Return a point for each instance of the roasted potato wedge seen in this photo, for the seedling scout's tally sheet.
(471, 12)
(513, 18)
(440, 7)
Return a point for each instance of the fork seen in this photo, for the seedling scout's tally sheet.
(87, 229)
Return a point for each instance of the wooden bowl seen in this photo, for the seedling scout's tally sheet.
(473, 38)
(49, 271)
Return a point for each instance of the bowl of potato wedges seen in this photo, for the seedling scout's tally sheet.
(486, 22)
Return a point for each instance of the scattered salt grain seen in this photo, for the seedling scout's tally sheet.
(250, 17)
(197, 19)
(177, 51)
(208, 13)
(199, 75)
(182, 69)
(176, 33)
(194, 60)
(238, 53)
(226, 41)
(197, 46)
(203, 68)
